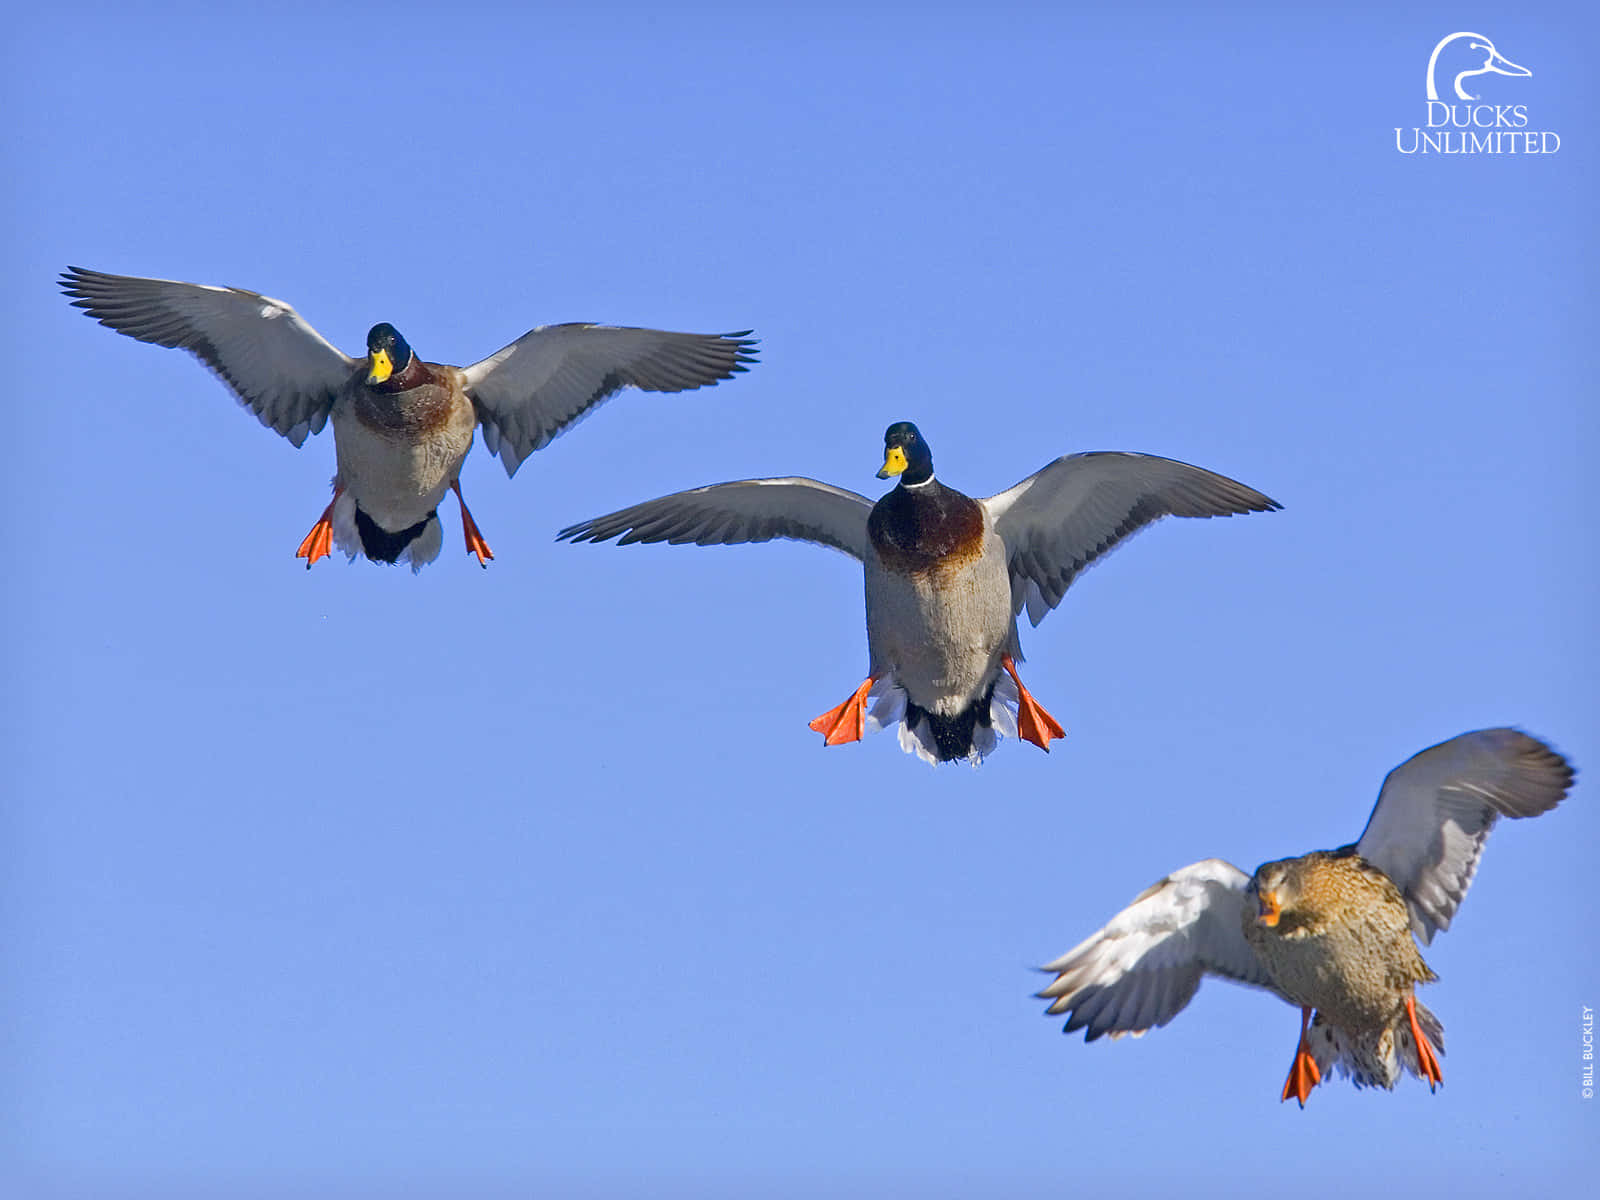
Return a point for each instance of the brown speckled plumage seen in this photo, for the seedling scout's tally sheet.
(417, 402)
(1333, 931)
(1342, 943)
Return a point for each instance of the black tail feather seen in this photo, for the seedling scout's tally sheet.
(378, 544)
(952, 736)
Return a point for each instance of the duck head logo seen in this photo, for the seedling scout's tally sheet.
(1476, 54)
(1457, 123)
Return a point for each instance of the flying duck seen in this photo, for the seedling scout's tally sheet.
(946, 575)
(401, 427)
(1332, 931)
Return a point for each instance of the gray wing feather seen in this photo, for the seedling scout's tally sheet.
(750, 510)
(1066, 516)
(1145, 966)
(537, 387)
(1436, 809)
(276, 364)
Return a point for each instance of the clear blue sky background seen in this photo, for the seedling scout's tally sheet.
(532, 881)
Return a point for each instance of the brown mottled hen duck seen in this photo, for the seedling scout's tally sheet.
(1332, 931)
(401, 427)
(946, 575)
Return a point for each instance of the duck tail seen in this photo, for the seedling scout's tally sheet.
(968, 735)
(417, 543)
(953, 738)
(1375, 1060)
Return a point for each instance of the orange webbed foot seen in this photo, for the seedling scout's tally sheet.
(1034, 724)
(469, 527)
(1303, 1072)
(1427, 1060)
(847, 722)
(319, 542)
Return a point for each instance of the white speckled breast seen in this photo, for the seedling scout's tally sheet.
(399, 475)
(941, 633)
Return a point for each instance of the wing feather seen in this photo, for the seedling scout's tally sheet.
(1436, 809)
(1145, 966)
(750, 510)
(275, 363)
(1060, 519)
(536, 388)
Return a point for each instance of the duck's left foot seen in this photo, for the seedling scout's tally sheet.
(1303, 1072)
(1033, 723)
(1427, 1060)
(469, 527)
(848, 722)
(319, 542)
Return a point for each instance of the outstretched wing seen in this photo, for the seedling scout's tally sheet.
(1062, 518)
(270, 358)
(751, 510)
(1146, 964)
(1436, 810)
(538, 386)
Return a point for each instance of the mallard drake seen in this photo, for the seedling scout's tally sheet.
(1333, 931)
(401, 426)
(946, 575)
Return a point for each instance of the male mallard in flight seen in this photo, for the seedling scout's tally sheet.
(945, 574)
(1330, 931)
(401, 426)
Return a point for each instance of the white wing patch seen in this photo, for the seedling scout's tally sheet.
(1145, 965)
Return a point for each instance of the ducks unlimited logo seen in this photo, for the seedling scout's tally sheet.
(1457, 122)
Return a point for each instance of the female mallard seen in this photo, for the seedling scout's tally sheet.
(1330, 931)
(946, 575)
(401, 426)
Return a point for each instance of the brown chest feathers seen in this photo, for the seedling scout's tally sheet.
(916, 530)
(413, 404)
(1342, 943)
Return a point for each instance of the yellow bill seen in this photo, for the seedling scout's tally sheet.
(382, 367)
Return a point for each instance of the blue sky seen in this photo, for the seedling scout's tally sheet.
(532, 880)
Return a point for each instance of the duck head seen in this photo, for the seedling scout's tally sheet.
(1272, 890)
(1473, 51)
(388, 354)
(906, 454)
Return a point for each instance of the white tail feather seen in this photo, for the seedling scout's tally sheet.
(424, 548)
(888, 707)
